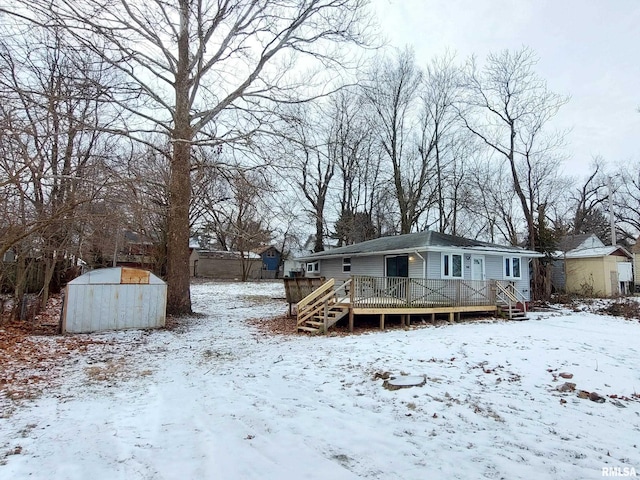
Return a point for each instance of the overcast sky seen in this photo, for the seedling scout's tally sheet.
(588, 49)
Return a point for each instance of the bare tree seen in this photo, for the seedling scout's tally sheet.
(492, 200)
(351, 147)
(55, 148)
(199, 70)
(406, 139)
(239, 222)
(626, 200)
(588, 201)
(508, 106)
(308, 148)
(439, 94)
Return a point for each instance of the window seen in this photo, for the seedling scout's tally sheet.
(271, 253)
(313, 267)
(451, 265)
(512, 267)
(346, 264)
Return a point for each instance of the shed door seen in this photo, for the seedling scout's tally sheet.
(625, 274)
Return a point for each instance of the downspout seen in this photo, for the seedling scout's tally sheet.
(424, 264)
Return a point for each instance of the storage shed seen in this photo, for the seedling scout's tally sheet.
(600, 271)
(114, 299)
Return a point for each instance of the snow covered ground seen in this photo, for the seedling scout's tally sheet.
(219, 399)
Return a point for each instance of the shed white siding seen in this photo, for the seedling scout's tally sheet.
(114, 299)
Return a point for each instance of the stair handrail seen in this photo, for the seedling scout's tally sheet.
(343, 287)
(315, 301)
(319, 300)
(328, 285)
(512, 294)
(519, 296)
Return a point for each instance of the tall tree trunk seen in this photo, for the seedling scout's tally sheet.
(178, 295)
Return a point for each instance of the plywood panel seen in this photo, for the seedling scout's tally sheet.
(135, 276)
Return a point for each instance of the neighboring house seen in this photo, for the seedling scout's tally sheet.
(133, 250)
(293, 266)
(270, 261)
(586, 266)
(425, 272)
(225, 265)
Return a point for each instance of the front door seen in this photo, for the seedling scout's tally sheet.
(477, 267)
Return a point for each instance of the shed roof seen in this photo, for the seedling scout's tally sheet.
(117, 276)
(598, 252)
(427, 240)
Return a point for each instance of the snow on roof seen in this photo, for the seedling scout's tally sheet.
(596, 252)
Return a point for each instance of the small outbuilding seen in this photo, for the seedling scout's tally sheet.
(588, 267)
(114, 299)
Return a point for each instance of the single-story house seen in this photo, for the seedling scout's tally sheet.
(586, 266)
(444, 273)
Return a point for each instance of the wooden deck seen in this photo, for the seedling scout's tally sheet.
(399, 296)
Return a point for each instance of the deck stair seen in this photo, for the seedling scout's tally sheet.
(511, 301)
(323, 307)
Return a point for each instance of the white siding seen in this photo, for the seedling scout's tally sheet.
(493, 266)
(332, 267)
(433, 265)
(416, 265)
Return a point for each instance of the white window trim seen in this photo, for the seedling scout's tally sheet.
(450, 255)
(313, 267)
(346, 262)
(509, 276)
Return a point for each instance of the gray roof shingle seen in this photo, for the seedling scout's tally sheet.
(410, 242)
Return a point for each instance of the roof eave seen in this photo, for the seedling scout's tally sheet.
(433, 248)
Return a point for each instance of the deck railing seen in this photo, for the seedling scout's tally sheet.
(401, 292)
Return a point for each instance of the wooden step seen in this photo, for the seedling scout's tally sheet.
(330, 316)
(308, 329)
